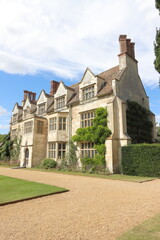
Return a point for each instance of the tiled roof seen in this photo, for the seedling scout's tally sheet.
(108, 76)
(33, 101)
(48, 95)
(106, 88)
(19, 107)
(51, 107)
(75, 96)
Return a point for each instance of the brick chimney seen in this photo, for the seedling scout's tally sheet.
(30, 95)
(54, 86)
(126, 46)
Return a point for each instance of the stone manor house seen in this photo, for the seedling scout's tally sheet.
(46, 124)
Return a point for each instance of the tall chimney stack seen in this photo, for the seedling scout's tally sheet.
(54, 86)
(30, 95)
(126, 46)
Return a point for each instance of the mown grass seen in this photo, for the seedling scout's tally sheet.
(104, 176)
(148, 230)
(13, 189)
(85, 174)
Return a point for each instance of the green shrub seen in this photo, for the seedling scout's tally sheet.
(48, 163)
(141, 160)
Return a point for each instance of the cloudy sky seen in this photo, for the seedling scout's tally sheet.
(57, 39)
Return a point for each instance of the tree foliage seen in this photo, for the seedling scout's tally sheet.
(5, 147)
(157, 2)
(72, 157)
(157, 43)
(157, 51)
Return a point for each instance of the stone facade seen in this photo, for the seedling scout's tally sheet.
(46, 125)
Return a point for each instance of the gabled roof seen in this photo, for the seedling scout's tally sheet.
(106, 88)
(87, 69)
(75, 97)
(51, 107)
(46, 95)
(69, 88)
(109, 75)
(17, 105)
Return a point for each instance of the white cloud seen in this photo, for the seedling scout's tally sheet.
(4, 126)
(64, 37)
(3, 111)
(4, 120)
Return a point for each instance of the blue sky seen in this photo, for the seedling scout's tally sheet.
(57, 40)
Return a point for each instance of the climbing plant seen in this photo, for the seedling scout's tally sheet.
(15, 150)
(139, 127)
(96, 133)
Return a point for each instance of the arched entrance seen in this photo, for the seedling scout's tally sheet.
(26, 157)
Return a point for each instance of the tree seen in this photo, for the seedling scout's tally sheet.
(157, 51)
(157, 43)
(5, 147)
(158, 4)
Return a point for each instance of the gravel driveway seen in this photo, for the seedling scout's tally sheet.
(93, 209)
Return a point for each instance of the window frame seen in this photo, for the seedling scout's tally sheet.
(52, 149)
(62, 125)
(41, 108)
(15, 118)
(60, 102)
(87, 149)
(29, 128)
(87, 118)
(88, 92)
(26, 112)
(52, 125)
(61, 150)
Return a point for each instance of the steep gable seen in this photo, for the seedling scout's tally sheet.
(87, 79)
(42, 98)
(16, 109)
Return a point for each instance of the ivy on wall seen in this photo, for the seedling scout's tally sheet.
(96, 133)
(139, 127)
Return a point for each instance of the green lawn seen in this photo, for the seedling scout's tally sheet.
(148, 230)
(110, 177)
(13, 189)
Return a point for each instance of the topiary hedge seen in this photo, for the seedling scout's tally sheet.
(141, 160)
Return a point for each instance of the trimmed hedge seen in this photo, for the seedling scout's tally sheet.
(141, 160)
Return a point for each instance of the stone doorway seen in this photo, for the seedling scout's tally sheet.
(26, 157)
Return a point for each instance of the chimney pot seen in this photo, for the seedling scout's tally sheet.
(30, 95)
(126, 46)
(54, 86)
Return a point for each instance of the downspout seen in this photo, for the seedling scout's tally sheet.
(69, 127)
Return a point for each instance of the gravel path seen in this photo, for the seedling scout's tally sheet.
(93, 209)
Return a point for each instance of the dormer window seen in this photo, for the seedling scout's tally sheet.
(88, 92)
(26, 112)
(60, 102)
(41, 109)
(15, 118)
